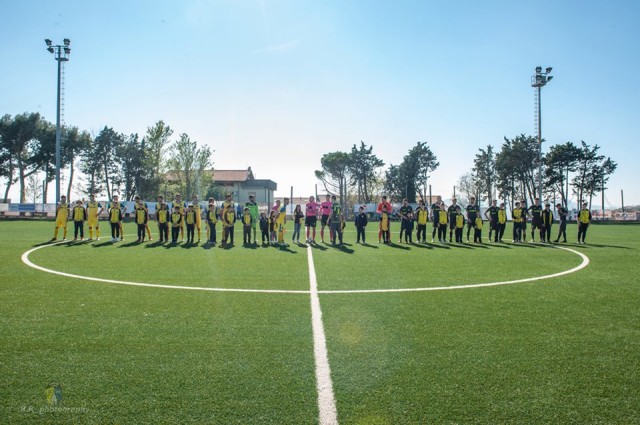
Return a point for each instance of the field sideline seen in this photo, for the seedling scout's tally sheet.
(559, 350)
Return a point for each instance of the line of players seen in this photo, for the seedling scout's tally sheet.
(330, 213)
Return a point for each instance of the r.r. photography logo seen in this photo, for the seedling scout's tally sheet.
(53, 393)
(53, 397)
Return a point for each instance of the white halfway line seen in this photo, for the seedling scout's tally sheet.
(326, 400)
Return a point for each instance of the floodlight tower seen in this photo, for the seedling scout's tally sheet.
(538, 81)
(61, 54)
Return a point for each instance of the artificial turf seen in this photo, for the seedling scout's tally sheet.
(562, 350)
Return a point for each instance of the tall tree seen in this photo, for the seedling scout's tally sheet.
(516, 167)
(362, 169)
(467, 187)
(104, 152)
(130, 156)
(559, 162)
(400, 183)
(484, 169)
(156, 143)
(419, 163)
(74, 142)
(335, 173)
(187, 165)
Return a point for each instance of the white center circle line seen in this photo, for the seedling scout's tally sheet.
(582, 265)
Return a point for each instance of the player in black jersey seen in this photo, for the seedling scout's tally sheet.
(491, 214)
(472, 213)
(536, 219)
(452, 210)
(562, 215)
(435, 214)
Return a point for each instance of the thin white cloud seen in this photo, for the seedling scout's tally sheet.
(282, 47)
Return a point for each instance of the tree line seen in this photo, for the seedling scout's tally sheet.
(510, 174)
(110, 162)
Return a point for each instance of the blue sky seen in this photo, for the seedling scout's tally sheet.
(276, 84)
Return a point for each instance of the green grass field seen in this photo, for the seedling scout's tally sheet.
(559, 350)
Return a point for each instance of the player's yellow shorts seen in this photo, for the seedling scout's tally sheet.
(61, 222)
(92, 222)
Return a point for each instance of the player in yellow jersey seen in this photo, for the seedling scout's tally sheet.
(163, 218)
(94, 209)
(79, 215)
(502, 222)
(584, 219)
(211, 220)
(62, 217)
(458, 222)
(198, 210)
(115, 219)
(247, 223)
(160, 201)
(516, 214)
(385, 225)
(190, 220)
(421, 219)
(140, 204)
(228, 220)
(443, 218)
(180, 204)
(281, 220)
(176, 224)
(477, 233)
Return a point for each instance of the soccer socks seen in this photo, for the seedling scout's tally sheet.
(64, 234)
(55, 233)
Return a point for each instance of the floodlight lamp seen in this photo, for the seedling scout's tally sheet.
(66, 41)
(538, 69)
(67, 50)
(46, 40)
(549, 69)
(50, 49)
(549, 78)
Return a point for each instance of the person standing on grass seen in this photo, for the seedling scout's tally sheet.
(79, 216)
(325, 212)
(312, 208)
(385, 224)
(536, 219)
(584, 219)
(452, 211)
(141, 218)
(516, 214)
(139, 204)
(182, 206)
(115, 219)
(404, 212)
(336, 221)
(298, 221)
(562, 215)
(94, 209)
(502, 222)
(421, 219)
(159, 202)
(472, 213)
(176, 224)
(255, 214)
(547, 221)
(198, 210)
(435, 216)
(162, 218)
(264, 227)
(408, 231)
(383, 203)
(361, 221)
(247, 222)
(228, 220)
(212, 219)
(443, 218)
(273, 228)
(63, 211)
(491, 214)
(523, 223)
(477, 232)
(281, 220)
(459, 222)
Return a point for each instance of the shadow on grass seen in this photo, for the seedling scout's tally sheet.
(396, 246)
(103, 244)
(440, 246)
(285, 248)
(498, 245)
(172, 245)
(343, 248)
(595, 245)
(423, 246)
(49, 242)
(460, 245)
(129, 244)
(249, 245)
(318, 247)
(369, 245)
(156, 244)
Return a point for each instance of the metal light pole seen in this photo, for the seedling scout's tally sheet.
(539, 80)
(61, 54)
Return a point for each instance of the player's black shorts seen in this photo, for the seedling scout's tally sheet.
(471, 223)
(452, 222)
(536, 223)
(324, 219)
(493, 224)
(310, 221)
